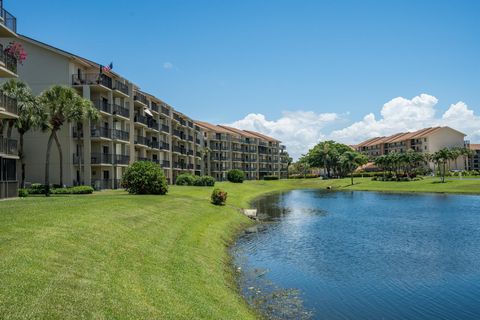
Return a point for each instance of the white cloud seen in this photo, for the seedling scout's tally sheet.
(167, 65)
(300, 130)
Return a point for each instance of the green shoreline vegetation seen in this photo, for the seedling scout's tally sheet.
(115, 255)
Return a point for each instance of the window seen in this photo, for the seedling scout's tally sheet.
(106, 175)
(8, 169)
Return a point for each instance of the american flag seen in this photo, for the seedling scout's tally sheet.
(108, 68)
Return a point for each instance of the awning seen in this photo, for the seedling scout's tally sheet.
(148, 112)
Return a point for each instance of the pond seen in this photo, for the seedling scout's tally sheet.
(363, 255)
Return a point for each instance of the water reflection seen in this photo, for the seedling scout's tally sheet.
(368, 255)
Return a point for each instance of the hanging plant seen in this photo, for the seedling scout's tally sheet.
(16, 50)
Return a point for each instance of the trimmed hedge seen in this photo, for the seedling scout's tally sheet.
(306, 176)
(236, 176)
(22, 193)
(271, 178)
(73, 190)
(185, 179)
(144, 177)
(204, 181)
(37, 188)
(219, 197)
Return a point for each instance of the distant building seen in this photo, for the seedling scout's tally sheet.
(428, 140)
(473, 162)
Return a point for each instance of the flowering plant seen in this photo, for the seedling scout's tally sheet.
(16, 50)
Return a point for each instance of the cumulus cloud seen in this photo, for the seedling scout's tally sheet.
(300, 130)
(167, 65)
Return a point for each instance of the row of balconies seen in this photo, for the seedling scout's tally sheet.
(103, 158)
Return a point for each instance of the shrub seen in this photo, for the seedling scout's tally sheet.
(204, 181)
(37, 188)
(270, 178)
(302, 176)
(219, 197)
(22, 193)
(73, 190)
(185, 179)
(144, 177)
(235, 176)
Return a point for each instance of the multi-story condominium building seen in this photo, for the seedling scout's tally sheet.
(428, 140)
(133, 124)
(230, 148)
(8, 109)
(473, 161)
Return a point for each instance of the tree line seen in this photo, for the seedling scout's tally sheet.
(48, 112)
(340, 160)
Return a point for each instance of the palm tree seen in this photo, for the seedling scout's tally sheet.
(441, 157)
(205, 151)
(351, 160)
(62, 105)
(30, 115)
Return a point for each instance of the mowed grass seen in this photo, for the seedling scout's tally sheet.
(111, 255)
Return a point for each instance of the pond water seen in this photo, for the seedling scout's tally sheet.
(363, 255)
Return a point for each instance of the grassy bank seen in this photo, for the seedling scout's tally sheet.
(113, 255)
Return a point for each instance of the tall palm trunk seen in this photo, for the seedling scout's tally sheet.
(47, 165)
(22, 161)
(60, 154)
(11, 123)
(351, 177)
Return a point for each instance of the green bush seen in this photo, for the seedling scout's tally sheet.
(22, 193)
(235, 176)
(36, 188)
(204, 181)
(185, 179)
(302, 176)
(144, 177)
(219, 197)
(73, 190)
(270, 178)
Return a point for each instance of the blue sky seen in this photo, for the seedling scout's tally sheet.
(222, 60)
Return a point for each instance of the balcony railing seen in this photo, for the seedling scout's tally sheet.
(9, 20)
(164, 145)
(102, 105)
(121, 111)
(165, 128)
(190, 138)
(165, 164)
(121, 159)
(140, 97)
(101, 158)
(106, 184)
(9, 60)
(155, 144)
(92, 79)
(101, 133)
(179, 134)
(9, 104)
(142, 159)
(152, 124)
(141, 119)
(198, 154)
(120, 135)
(179, 150)
(190, 152)
(142, 140)
(190, 124)
(155, 107)
(120, 86)
(197, 141)
(8, 146)
(165, 111)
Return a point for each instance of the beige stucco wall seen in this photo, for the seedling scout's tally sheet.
(446, 138)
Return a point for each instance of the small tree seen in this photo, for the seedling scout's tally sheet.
(441, 158)
(30, 115)
(235, 176)
(144, 177)
(219, 197)
(62, 105)
(351, 160)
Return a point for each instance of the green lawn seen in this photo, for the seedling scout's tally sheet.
(112, 255)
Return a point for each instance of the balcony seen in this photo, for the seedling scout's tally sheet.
(142, 159)
(92, 79)
(155, 107)
(179, 134)
(198, 167)
(8, 23)
(179, 150)
(179, 165)
(198, 154)
(100, 133)
(120, 135)
(190, 124)
(237, 159)
(142, 140)
(197, 141)
(8, 64)
(165, 128)
(152, 124)
(190, 138)
(8, 107)
(121, 111)
(139, 97)
(165, 111)
(179, 119)
(8, 146)
(165, 164)
(164, 146)
(219, 158)
(102, 105)
(121, 159)
(190, 152)
(141, 119)
(101, 158)
(120, 87)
